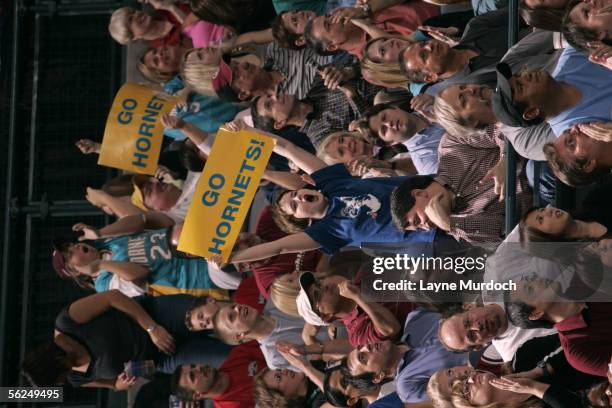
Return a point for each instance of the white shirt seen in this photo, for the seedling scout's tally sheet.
(179, 211)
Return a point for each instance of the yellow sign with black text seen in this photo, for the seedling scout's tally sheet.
(133, 134)
(224, 193)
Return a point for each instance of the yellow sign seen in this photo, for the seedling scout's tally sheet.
(133, 135)
(224, 193)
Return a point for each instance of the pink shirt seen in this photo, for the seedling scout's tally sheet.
(203, 33)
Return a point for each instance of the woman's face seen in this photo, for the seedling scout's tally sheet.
(347, 148)
(303, 203)
(205, 56)
(140, 23)
(285, 381)
(163, 59)
(584, 15)
(549, 220)
(295, 21)
(476, 389)
(601, 395)
(386, 50)
(80, 254)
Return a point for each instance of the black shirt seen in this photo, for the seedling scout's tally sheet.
(111, 339)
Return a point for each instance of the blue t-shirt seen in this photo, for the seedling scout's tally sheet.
(152, 249)
(595, 83)
(388, 401)
(204, 112)
(359, 211)
(426, 356)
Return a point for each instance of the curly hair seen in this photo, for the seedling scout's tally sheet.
(578, 36)
(283, 36)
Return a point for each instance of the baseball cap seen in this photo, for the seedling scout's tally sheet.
(137, 197)
(57, 258)
(503, 107)
(304, 306)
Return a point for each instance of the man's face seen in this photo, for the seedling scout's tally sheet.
(278, 108)
(158, 195)
(346, 148)
(324, 297)
(430, 57)
(474, 328)
(164, 59)
(371, 358)
(531, 88)
(471, 102)
(198, 378)
(574, 145)
(416, 218)
(140, 24)
(295, 21)
(392, 125)
(247, 78)
(303, 203)
(386, 50)
(285, 381)
(203, 317)
(332, 33)
(236, 319)
(549, 220)
(447, 376)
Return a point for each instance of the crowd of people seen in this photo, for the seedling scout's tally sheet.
(392, 122)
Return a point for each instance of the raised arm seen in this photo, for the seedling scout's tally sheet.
(88, 308)
(285, 179)
(119, 206)
(193, 133)
(298, 242)
(132, 224)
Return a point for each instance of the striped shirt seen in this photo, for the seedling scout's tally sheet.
(299, 67)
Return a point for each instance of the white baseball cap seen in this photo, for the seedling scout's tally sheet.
(304, 307)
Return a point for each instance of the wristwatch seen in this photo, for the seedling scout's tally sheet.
(366, 8)
(151, 328)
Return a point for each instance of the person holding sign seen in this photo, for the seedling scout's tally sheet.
(345, 211)
(124, 252)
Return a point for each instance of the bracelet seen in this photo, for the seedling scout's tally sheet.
(151, 328)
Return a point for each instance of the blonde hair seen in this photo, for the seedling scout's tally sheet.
(266, 397)
(198, 76)
(387, 74)
(153, 74)
(322, 148)
(438, 400)
(119, 26)
(284, 294)
(449, 119)
(459, 401)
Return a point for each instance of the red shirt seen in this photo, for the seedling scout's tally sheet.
(587, 338)
(243, 362)
(402, 19)
(175, 36)
(248, 294)
(360, 327)
(281, 264)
